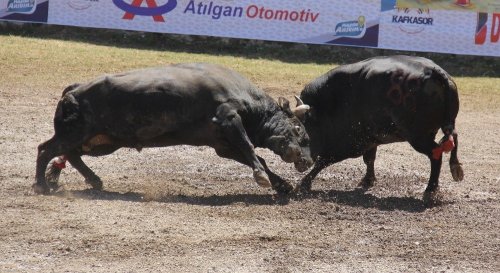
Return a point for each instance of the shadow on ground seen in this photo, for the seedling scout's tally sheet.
(352, 198)
(456, 65)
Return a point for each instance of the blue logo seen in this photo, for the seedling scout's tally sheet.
(152, 8)
(21, 6)
(355, 29)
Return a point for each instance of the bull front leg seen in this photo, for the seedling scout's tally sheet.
(280, 185)
(231, 126)
(306, 182)
(369, 159)
(429, 147)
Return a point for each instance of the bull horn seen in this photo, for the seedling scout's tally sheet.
(301, 110)
(299, 101)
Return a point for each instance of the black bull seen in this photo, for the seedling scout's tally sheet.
(193, 104)
(356, 107)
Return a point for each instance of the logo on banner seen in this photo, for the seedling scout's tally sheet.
(412, 20)
(482, 28)
(152, 9)
(21, 6)
(354, 29)
(81, 4)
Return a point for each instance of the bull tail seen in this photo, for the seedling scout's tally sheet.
(449, 142)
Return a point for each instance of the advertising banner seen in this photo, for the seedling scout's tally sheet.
(313, 21)
(447, 26)
(448, 31)
(487, 6)
(24, 10)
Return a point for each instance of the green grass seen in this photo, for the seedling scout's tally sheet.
(53, 60)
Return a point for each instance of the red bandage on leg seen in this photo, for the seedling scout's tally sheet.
(445, 146)
(448, 144)
(60, 162)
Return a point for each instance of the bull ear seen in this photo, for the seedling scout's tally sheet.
(284, 104)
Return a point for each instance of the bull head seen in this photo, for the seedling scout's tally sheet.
(288, 137)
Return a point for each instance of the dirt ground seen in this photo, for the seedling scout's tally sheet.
(183, 209)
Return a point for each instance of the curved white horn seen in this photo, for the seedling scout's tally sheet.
(300, 111)
(299, 101)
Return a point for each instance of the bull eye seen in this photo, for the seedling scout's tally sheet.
(297, 128)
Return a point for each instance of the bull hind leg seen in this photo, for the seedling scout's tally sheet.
(369, 159)
(427, 146)
(455, 166)
(90, 177)
(53, 172)
(46, 152)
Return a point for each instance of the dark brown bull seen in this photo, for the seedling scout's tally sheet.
(353, 108)
(192, 104)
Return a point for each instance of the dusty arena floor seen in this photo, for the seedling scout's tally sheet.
(183, 209)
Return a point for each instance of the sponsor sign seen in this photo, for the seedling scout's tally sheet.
(458, 5)
(311, 21)
(421, 25)
(446, 31)
(488, 30)
(24, 10)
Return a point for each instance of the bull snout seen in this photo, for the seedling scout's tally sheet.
(303, 165)
(301, 158)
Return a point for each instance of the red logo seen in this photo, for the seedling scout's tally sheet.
(152, 9)
(482, 28)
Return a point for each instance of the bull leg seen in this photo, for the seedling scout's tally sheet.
(280, 185)
(426, 146)
(53, 173)
(46, 151)
(90, 177)
(455, 166)
(232, 127)
(369, 159)
(306, 182)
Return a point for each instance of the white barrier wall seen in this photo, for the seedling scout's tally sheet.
(449, 28)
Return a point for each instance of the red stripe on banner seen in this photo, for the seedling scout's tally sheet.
(130, 16)
(152, 4)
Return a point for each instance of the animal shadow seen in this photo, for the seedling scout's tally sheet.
(212, 200)
(359, 198)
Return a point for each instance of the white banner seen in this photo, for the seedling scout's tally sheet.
(448, 31)
(294, 21)
(367, 23)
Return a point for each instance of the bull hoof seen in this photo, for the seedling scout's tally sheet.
(457, 172)
(432, 198)
(261, 178)
(367, 182)
(302, 189)
(40, 189)
(95, 182)
(283, 188)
